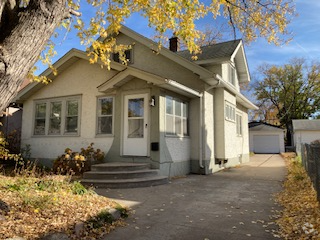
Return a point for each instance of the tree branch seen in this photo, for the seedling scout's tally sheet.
(71, 12)
(232, 23)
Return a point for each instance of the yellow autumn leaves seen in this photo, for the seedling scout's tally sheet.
(300, 218)
(248, 19)
(267, 18)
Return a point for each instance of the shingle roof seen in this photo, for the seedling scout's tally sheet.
(306, 124)
(260, 126)
(219, 50)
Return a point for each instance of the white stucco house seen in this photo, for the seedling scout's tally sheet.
(305, 131)
(265, 138)
(179, 115)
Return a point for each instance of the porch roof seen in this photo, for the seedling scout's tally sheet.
(130, 73)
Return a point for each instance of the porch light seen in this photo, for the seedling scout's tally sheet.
(152, 101)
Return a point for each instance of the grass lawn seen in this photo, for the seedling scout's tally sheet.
(32, 206)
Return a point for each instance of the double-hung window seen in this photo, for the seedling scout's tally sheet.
(55, 118)
(230, 112)
(40, 119)
(105, 115)
(176, 117)
(239, 124)
(72, 115)
(59, 116)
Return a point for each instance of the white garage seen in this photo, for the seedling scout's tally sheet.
(305, 131)
(265, 138)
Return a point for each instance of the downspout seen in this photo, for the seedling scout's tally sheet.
(201, 122)
(200, 132)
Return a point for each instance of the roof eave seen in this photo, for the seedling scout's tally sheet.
(239, 57)
(64, 62)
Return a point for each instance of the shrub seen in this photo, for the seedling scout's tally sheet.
(77, 163)
(78, 189)
(5, 152)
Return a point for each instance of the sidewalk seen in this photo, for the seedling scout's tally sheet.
(234, 204)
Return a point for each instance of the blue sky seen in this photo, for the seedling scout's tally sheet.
(305, 43)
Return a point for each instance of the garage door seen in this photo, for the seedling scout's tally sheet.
(266, 144)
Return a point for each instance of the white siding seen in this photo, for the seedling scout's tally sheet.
(305, 137)
(179, 148)
(76, 80)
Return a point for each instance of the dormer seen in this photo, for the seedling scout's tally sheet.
(226, 59)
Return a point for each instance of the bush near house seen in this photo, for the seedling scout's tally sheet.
(77, 162)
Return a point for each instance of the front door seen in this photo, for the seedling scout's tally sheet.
(135, 134)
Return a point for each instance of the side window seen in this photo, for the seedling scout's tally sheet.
(176, 117)
(239, 124)
(232, 75)
(169, 116)
(230, 112)
(105, 115)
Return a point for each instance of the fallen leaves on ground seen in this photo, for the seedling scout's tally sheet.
(300, 218)
(35, 212)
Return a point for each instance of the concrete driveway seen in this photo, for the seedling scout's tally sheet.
(232, 204)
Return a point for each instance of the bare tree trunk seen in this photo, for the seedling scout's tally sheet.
(23, 35)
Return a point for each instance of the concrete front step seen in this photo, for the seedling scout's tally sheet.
(123, 175)
(126, 183)
(120, 174)
(115, 166)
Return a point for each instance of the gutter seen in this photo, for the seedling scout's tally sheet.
(183, 87)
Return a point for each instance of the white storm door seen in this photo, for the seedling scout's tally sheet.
(135, 133)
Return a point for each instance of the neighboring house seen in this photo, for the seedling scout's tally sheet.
(11, 119)
(10, 122)
(266, 138)
(163, 108)
(305, 131)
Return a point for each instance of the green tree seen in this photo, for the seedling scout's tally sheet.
(291, 90)
(27, 25)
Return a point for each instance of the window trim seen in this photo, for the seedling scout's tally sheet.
(182, 116)
(97, 116)
(47, 103)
